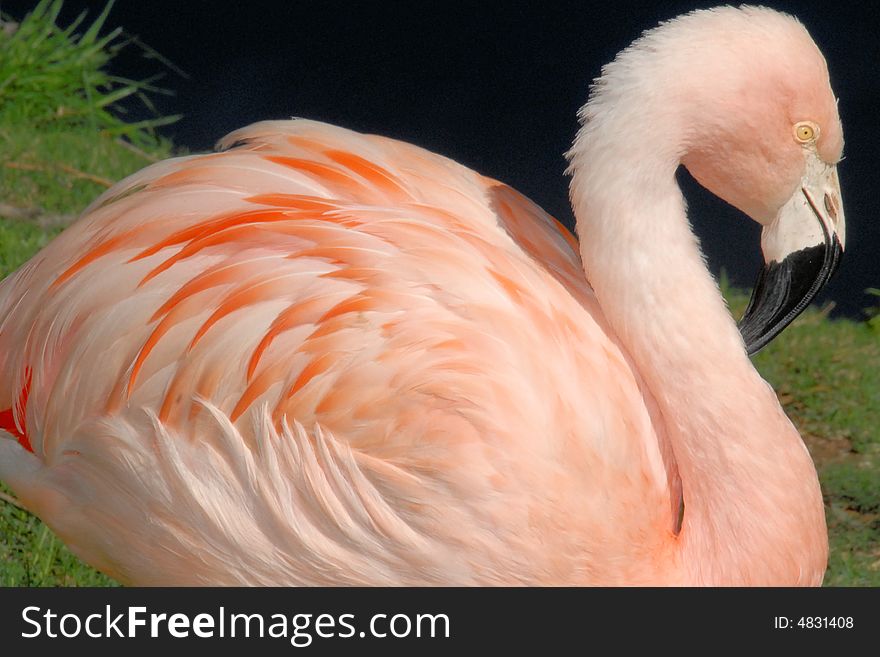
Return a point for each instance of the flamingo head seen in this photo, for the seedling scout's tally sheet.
(763, 133)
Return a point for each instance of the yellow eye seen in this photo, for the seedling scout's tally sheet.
(806, 132)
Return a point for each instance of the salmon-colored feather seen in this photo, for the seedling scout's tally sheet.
(101, 250)
(328, 175)
(381, 178)
(305, 312)
(214, 230)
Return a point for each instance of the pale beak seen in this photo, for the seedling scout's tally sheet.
(802, 248)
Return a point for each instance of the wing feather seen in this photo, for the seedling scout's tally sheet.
(431, 326)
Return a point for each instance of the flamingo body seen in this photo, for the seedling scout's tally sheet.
(380, 308)
(322, 357)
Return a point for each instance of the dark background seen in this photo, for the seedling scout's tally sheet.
(519, 620)
(495, 86)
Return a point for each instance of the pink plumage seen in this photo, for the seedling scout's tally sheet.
(322, 357)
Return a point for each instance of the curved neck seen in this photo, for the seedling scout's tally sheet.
(753, 509)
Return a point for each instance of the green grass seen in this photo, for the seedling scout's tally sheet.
(48, 175)
(31, 555)
(63, 141)
(52, 76)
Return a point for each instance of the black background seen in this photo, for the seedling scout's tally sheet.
(495, 86)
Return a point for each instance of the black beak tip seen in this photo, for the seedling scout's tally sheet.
(784, 289)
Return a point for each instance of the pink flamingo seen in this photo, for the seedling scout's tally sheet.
(322, 357)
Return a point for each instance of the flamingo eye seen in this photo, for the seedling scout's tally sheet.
(806, 132)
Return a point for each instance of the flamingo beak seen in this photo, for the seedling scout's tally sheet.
(802, 248)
